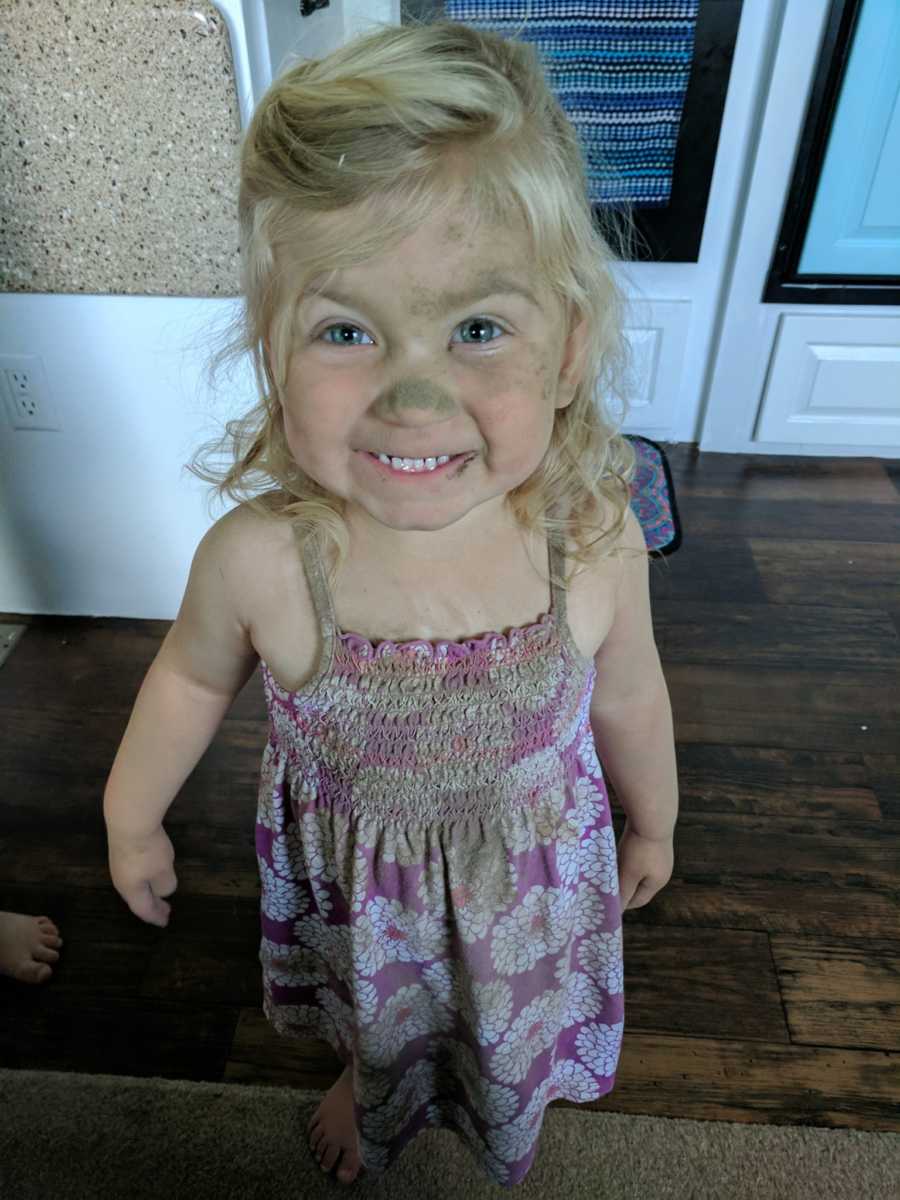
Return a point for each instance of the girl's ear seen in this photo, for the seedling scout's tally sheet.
(573, 364)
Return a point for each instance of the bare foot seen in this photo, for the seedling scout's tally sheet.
(26, 947)
(332, 1130)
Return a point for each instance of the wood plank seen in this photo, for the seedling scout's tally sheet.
(717, 517)
(720, 569)
(843, 854)
(709, 1079)
(818, 784)
(56, 668)
(852, 575)
(841, 993)
(701, 982)
(779, 635)
(788, 708)
(718, 894)
(65, 755)
(788, 477)
(225, 865)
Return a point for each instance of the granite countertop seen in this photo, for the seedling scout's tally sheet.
(119, 138)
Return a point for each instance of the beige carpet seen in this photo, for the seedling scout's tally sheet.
(86, 1137)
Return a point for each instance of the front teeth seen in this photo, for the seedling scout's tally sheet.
(414, 464)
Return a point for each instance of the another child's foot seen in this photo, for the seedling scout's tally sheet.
(332, 1130)
(27, 947)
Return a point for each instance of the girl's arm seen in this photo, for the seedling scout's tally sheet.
(204, 661)
(631, 715)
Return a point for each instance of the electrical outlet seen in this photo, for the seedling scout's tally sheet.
(26, 393)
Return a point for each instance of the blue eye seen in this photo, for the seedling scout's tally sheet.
(347, 325)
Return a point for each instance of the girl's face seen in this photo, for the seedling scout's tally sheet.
(427, 351)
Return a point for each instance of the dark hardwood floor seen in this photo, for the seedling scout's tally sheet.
(762, 984)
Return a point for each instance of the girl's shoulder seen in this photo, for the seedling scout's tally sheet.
(254, 545)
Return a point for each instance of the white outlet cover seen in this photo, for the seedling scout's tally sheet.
(33, 364)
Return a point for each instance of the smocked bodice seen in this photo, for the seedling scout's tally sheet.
(423, 726)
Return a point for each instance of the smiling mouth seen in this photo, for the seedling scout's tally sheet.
(456, 460)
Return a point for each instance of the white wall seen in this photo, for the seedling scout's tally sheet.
(100, 519)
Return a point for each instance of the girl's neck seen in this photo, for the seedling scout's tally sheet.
(476, 536)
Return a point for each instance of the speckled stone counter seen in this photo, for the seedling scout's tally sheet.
(119, 137)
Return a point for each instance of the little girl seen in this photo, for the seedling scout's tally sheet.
(440, 893)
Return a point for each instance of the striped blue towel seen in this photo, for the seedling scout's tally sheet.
(620, 70)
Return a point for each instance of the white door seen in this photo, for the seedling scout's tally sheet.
(801, 378)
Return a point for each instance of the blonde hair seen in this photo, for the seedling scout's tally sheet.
(347, 155)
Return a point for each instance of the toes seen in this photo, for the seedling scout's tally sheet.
(45, 954)
(330, 1157)
(33, 973)
(317, 1143)
(349, 1168)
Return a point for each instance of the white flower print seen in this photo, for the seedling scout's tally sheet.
(291, 846)
(513, 1140)
(589, 802)
(493, 1009)
(540, 925)
(283, 863)
(407, 1095)
(317, 846)
(291, 966)
(373, 1157)
(590, 910)
(455, 1060)
(584, 999)
(407, 1014)
(340, 1013)
(586, 744)
(303, 1020)
(599, 859)
(574, 1081)
(369, 951)
(600, 955)
(406, 935)
(360, 880)
(446, 1114)
(534, 1029)
(365, 996)
(568, 850)
(440, 978)
(600, 1046)
(280, 899)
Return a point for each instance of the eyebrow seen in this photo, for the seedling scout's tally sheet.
(485, 286)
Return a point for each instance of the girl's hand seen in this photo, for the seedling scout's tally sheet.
(645, 866)
(142, 872)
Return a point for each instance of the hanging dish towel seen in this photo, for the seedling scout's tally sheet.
(653, 497)
(620, 70)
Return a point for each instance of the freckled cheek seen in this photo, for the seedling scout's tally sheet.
(317, 422)
(516, 430)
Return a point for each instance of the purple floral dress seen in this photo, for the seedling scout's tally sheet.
(439, 881)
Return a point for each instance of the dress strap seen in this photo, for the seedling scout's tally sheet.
(321, 595)
(557, 562)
